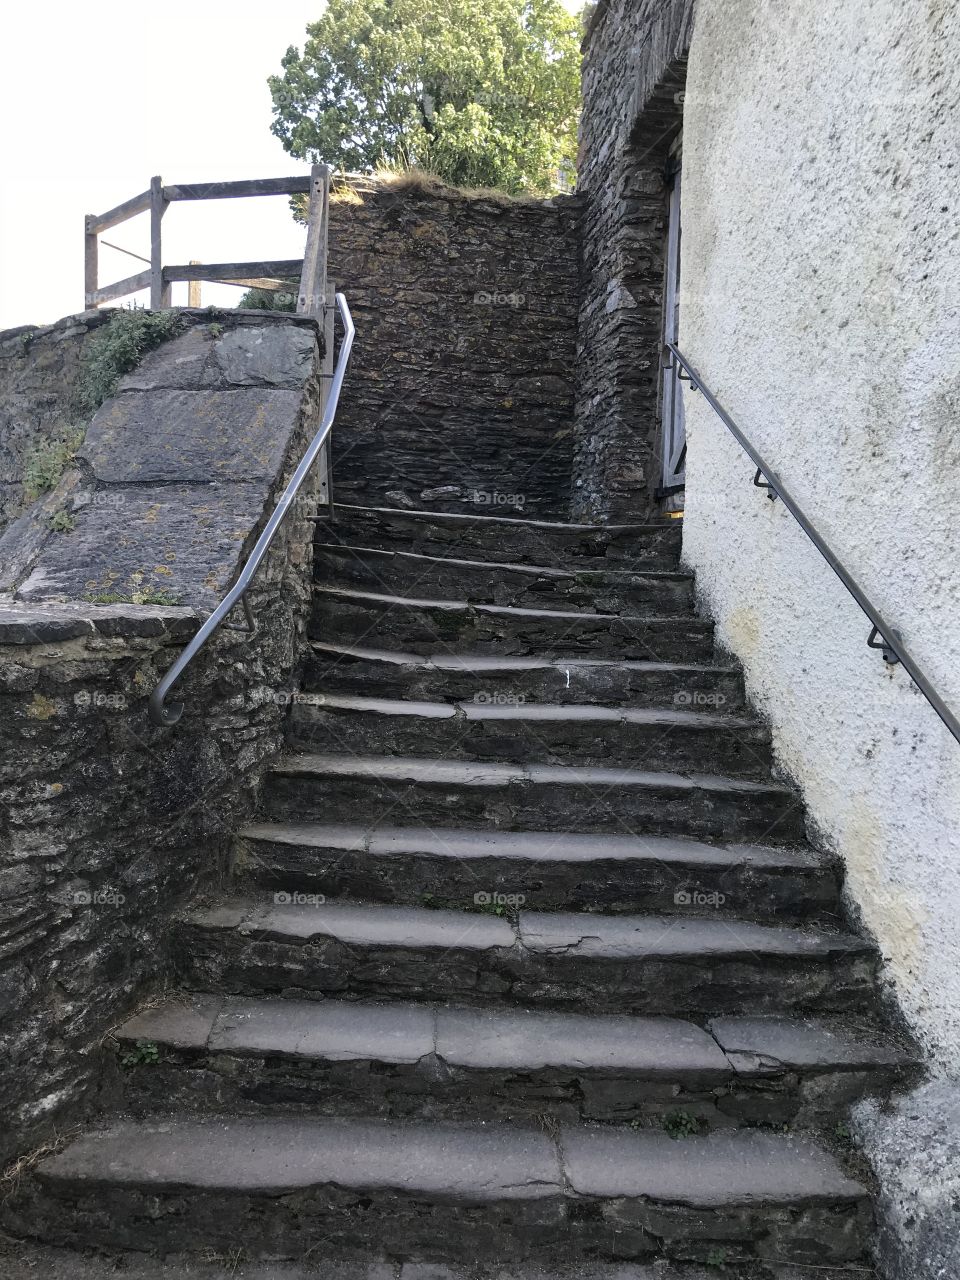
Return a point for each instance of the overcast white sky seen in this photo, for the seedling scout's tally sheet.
(95, 98)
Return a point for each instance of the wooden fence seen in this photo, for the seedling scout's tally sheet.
(310, 270)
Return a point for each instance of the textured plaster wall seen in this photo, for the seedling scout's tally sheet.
(821, 279)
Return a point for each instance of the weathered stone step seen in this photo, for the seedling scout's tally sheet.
(295, 1185)
(508, 681)
(521, 797)
(505, 538)
(26, 1261)
(427, 626)
(449, 866)
(625, 964)
(678, 740)
(621, 590)
(337, 1057)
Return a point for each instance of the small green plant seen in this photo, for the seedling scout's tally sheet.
(429, 900)
(490, 908)
(62, 522)
(215, 330)
(717, 1257)
(143, 1054)
(268, 300)
(681, 1124)
(841, 1132)
(118, 348)
(46, 462)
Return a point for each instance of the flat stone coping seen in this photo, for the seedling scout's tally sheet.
(461, 1163)
(536, 846)
(29, 624)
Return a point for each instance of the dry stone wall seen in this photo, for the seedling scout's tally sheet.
(107, 823)
(633, 80)
(39, 372)
(461, 391)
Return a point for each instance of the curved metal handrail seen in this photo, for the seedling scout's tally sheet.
(162, 714)
(883, 636)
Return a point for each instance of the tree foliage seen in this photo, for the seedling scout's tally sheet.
(482, 93)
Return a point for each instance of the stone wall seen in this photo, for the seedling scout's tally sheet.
(107, 823)
(39, 371)
(633, 79)
(460, 395)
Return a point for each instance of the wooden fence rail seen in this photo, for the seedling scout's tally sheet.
(262, 274)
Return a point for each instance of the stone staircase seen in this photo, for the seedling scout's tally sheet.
(525, 960)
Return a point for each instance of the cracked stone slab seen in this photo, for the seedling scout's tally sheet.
(246, 356)
(181, 1024)
(181, 540)
(281, 1155)
(531, 1039)
(469, 773)
(406, 927)
(627, 937)
(536, 846)
(332, 1030)
(741, 1168)
(191, 437)
(804, 1043)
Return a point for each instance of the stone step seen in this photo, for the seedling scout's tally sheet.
(505, 538)
(426, 626)
(243, 1055)
(302, 943)
(508, 681)
(450, 867)
(622, 590)
(24, 1261)
(677, 740)
(290, 1186)
(520, 797)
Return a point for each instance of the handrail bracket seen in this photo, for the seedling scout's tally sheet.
(877, 640)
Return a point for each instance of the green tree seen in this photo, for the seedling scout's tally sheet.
(481, 93)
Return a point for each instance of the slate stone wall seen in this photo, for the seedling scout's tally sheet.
(460, 396)
(108, 824)
(633, 80)
(39, 371)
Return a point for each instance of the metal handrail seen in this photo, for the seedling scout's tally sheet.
(883, 636)
(162, 714)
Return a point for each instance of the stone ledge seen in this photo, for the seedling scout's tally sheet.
(33, 624)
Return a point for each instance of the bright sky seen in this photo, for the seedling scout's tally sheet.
(97, 98)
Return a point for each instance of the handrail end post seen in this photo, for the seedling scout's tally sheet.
(160, 712)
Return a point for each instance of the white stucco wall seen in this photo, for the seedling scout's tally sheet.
(821, 301)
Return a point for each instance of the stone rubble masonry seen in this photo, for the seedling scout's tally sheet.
(107, 823)
(461, 388)
(39, 371)
(633, 79)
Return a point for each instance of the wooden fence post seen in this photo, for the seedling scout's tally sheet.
(91, 269)
(159, 293)
(193, 287)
